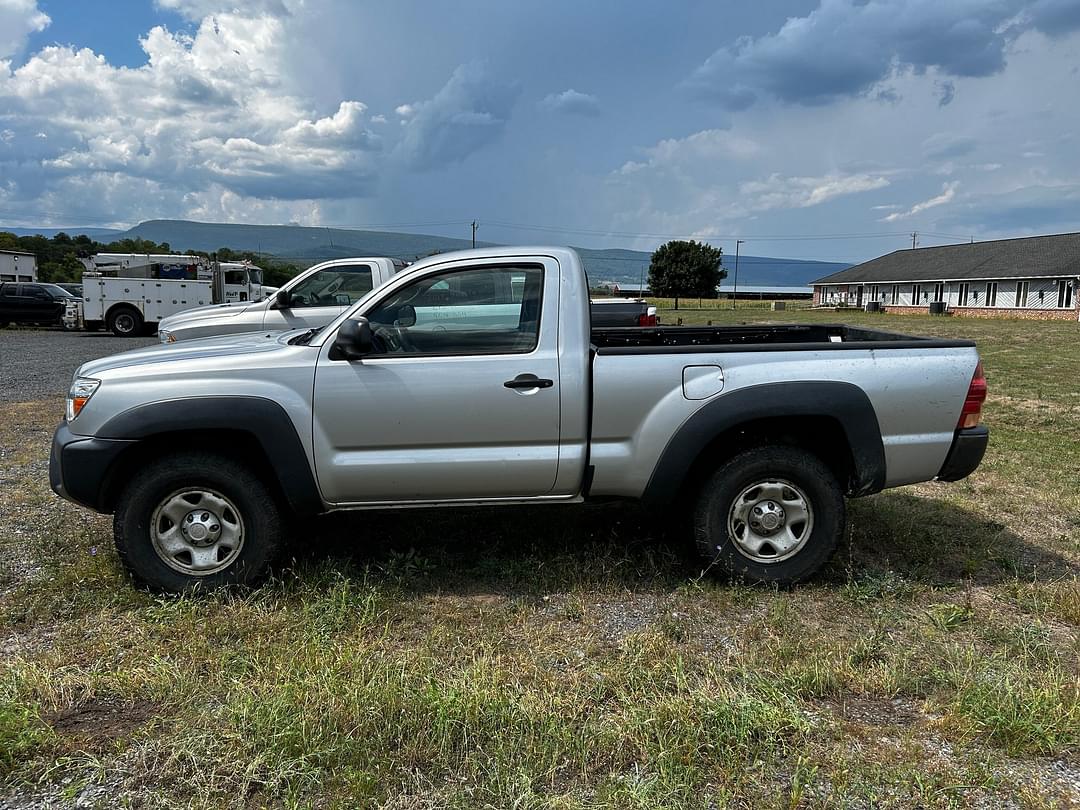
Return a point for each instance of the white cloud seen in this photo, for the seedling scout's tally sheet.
(777, 191)
(469, 112)
(846, 48)
(19, 19)
(207, 112)
(199, 9)
(690, 154)
(948, 192)
(571, 102)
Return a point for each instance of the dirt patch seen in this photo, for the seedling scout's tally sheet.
(875, 711)
(96, 725)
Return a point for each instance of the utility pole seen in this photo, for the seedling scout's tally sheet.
(735, 289)
(641, 283)
(914, 238)
(475, 225)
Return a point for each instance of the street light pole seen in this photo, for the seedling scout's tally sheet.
(735, 288)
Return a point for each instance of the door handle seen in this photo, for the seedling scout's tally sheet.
(528, 381)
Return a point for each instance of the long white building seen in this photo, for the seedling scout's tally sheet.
(1030, 277)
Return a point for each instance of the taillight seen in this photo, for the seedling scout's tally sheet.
(973, 402)
(646, 320)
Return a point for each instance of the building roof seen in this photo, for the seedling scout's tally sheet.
(1027, 257)
(779, 289)
(17, 253)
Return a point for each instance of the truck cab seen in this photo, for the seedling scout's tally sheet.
(314, 298)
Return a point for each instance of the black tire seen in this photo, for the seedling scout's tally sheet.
(731, 489)
(125, 322)
(155, 486)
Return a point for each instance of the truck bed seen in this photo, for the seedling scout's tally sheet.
(780, 337)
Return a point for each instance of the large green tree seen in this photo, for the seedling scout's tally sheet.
(681, 268)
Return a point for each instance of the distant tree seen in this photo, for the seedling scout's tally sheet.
(680, 268)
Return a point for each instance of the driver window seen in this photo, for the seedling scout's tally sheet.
(333, 287)
(486, 310)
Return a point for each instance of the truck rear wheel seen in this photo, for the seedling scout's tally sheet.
(125, 322)
(197, 521)
(773, 514)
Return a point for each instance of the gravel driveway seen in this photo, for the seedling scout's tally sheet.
(38, 363)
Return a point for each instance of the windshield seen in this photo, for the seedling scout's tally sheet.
(57, 291)
(340, 286)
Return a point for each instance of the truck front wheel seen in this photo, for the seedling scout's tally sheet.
(773, 514)
(125, 322)
(197, 521)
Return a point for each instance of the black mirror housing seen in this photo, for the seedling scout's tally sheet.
(406, 316)
(282, 299)
(353, 340)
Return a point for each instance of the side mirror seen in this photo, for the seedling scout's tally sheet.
(406, 316)
(353, 340)
(282, 299)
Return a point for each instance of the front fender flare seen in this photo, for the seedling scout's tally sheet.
(263, 419)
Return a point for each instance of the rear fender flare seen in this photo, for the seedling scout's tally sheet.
(842, 402)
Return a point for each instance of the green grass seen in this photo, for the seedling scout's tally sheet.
(449, 659)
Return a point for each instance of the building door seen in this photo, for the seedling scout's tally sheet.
(962, 294)
(991, 293)
(939, 292)
(1065, 293)
(858, 295)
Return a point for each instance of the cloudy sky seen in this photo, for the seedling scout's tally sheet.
(603, 123)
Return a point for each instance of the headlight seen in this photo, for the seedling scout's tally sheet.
(81, 390)
(165, 336)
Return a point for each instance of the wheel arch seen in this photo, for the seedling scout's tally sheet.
(120, 306)
(253, 430)
(834, 420)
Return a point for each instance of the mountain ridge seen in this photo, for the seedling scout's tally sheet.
(305, 244)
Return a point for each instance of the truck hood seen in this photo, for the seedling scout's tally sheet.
(245, 343)
(212, 310)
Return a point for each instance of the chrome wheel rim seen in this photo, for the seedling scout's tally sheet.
(197, 531)
(770, 521)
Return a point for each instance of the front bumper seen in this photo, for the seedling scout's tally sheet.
(79, 467)
(966, 453)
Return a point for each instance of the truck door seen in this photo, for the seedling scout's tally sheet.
(321, 297)
(459, 400)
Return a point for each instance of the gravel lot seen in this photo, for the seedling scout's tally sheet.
(38, 363)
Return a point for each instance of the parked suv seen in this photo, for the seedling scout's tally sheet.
(32, 302)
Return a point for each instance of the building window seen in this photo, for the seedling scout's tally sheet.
(991, 293)
(939, 292)
(1021, 293)
(914, 295)
(1065, 293)
(896, 293)
(963, 294)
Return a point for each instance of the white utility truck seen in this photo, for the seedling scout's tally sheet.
(131, 292)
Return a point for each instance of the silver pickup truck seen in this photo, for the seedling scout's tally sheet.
(314, 298)
(476, 378)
